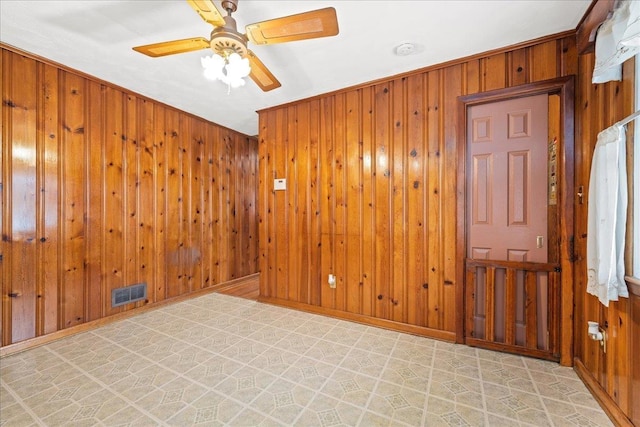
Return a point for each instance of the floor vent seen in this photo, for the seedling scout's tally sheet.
(129, 294)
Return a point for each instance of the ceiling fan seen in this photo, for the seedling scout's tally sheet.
(226, 40)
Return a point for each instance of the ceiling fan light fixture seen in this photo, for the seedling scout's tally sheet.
(231, 69)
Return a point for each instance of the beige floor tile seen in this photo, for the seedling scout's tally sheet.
(284, 401)
(365, 362)
(350, 387)
(376, 343)
(441, 412)
(14, 415)
(341, 335)
(131, 417)
(221, 360)
(275, 361)
(212, 409)
(398, 403)
(296, 343)
(456, 362)
(309, 372)
(212, 371)
(413, 352)
(326, 411)
(407, 374)
(245, 384)
(250, 418)
(456, 388)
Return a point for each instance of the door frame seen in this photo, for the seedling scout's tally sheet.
(564, 87)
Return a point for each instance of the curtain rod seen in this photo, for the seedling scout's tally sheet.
(629, 118)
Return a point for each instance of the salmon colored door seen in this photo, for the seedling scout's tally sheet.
(508, 172)
(510, 285)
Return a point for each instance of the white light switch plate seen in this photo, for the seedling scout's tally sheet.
(279, 184)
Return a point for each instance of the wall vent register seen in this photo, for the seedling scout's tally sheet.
(126, 295)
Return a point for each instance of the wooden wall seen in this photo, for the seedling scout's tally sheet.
(614, 375)
(371, 189)
(102, 189)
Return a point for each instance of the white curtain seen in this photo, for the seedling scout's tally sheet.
(617, 40)
(607, 216)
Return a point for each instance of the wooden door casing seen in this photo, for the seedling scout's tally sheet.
(562, 257)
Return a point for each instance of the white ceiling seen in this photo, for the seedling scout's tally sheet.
(96, 38)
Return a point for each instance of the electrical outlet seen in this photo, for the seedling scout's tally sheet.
(332, 281)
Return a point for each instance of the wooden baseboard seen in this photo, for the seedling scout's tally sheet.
(600, 394)
(366, 320)
(54, 336)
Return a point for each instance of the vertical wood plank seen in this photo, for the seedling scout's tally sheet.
(510, 307)
(208, 182)
(433, 193)
(470, 301)
(114, 195)
(5, 252)
(531, 309)
(281, 226)
(218, 245)
(473, 77)
(265, 221)
(517, 67)
(147, 196)
(185, 246)
(451, 89)
(315, 232)
(197, 143)
(369, 300)
(174, 203)
(569, 57)
(72, 199)
(304, 211)
(339, 216)
(95, 207)
(20, 232)
(490, 304)
(416, 224)
(327, 198)
(293, 210)
(398, 154)
(229, 256)
(544, 61)
(249, 182)
(49, 265)
(493, 72)
(353, 203)
(553, 310)
(130, 155)
(383, 192)
(270, 175)
(159, 292)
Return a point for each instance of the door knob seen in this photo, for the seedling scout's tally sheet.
(539, 241)
(14, 294)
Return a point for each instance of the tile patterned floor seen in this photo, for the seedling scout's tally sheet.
(221, 360)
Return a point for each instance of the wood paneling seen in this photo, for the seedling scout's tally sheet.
(378, 167)
(614, 371)
(102, 188)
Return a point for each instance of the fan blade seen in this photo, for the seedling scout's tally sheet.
(207, 11)
(261, 74)
(308, 25)
(173, 47)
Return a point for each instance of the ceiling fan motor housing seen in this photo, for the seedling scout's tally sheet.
(226, 40)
